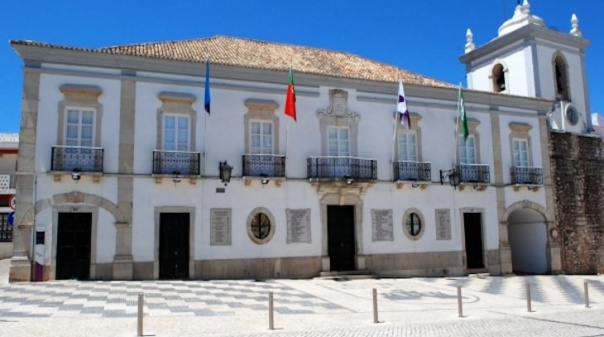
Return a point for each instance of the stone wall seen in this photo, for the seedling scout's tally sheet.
(577, 164)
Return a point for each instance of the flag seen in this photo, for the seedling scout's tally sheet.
(206, 103)
(401, 107)
(462, 116)
(290, 99)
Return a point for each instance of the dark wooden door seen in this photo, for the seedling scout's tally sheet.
(73, 246)
(174, 246)
(473, 235)
(341, 238)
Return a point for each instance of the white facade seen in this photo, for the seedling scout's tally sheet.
(325, 214)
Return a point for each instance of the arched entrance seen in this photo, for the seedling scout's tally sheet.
(527, 235)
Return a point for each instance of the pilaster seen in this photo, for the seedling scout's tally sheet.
(21, 266)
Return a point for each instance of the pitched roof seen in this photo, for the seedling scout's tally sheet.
(257, 54)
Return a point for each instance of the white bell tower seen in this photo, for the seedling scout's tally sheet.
(527, 58)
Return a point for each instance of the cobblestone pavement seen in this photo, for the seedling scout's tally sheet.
(492, 306)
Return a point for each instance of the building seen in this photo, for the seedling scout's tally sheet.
(597, 121)
(130, 177)
(9, 146)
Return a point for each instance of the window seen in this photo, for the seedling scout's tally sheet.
(561, 78)
(339, 126)
(260, 226)
(79, 127)
(521, 154)
(467, 150)
(413, 224)
(261, 137)
(176, 132)
(338, 141)
(6, 231)
(498, 77)
(80, 116)
(407, 146)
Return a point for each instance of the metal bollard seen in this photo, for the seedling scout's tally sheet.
(528, 297)
(375, 307)
(585, 287)
(459, 303)
(139, 325)
(271, 320)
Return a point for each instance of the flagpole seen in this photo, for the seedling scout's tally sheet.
(457, 153)
(286, 145)
(394, 138)
(206, 108)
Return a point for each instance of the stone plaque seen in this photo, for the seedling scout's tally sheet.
(443, 224)
(220, 226)
(381, 225)
(298, 225)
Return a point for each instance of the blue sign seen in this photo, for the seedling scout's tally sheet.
(11, 218)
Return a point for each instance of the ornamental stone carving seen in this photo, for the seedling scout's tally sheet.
(338, 107)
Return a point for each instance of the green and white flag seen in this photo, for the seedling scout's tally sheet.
(462, 116)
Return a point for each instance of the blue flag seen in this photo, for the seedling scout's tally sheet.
(206, 103)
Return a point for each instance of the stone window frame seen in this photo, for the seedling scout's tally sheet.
(499, 70)
(472, 131)
(415, 119)
(521, 131)
(422, 220)
(260, 110)
(80, 96)
(558, 60)
(174, 103)
(271, 219)
(338, 115)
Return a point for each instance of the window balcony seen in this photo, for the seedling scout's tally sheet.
(527, 175)
(181, 163)
(337, 168)
(7, 183)
(473, 173)
(77, 158)
(412, 171)
(263, 165)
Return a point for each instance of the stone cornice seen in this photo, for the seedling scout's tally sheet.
(529, 32)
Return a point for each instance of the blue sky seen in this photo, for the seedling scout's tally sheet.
(426, 36)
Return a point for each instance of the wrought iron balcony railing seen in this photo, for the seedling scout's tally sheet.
(7, 183)
(341, 167)
(176, 162)
(473, 173)
(527, 175)
(263, 165)
(77, 158)
(412, 171)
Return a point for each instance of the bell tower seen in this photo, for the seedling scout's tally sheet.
(527, 58)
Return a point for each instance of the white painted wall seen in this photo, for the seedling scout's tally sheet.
(221, 136)
(47, 131)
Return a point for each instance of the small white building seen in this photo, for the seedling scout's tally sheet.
(9, 146)
(124, 175)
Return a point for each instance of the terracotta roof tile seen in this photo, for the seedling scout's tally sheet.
(257, 54)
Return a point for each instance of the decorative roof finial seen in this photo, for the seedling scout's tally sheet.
(469, 41)
(526, 7)
(574, 23)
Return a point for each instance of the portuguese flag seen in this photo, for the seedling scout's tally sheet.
(290, 99)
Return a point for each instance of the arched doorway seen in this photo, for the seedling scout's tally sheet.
(527, 235)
